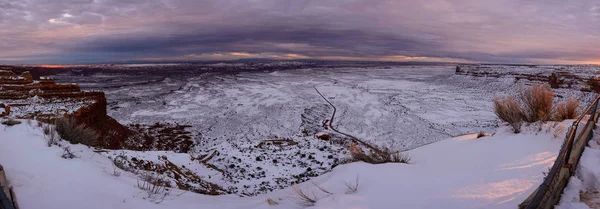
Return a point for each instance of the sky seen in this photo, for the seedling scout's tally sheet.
(478, 31)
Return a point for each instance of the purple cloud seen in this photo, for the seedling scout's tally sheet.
(63, 31)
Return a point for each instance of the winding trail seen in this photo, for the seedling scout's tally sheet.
(353, 138)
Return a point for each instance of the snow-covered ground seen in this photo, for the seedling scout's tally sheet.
(498, 171)
(583, 189)
(28, 107)
(402, 107)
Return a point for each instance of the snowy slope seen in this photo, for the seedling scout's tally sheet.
(461, 172)
(583, 189)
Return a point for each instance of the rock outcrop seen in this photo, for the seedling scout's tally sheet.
(89, 107)
(23, 97)
(581, 78)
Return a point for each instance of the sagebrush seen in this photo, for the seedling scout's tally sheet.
(508, 110)
(70, 131)
(537, 103)
(566, 110)
(383, 155)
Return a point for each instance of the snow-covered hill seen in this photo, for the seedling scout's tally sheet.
(498, 171)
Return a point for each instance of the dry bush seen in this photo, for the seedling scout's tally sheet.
(70, 131)
(155, 186)
(383, 156)
(509, 110)
(537, 103)
(11, 122)
(566, 110)
(304, 199)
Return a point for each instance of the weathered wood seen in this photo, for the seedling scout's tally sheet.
(554, 191)
(6, 189)
(4, 182)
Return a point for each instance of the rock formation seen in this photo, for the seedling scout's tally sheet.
(24, 93)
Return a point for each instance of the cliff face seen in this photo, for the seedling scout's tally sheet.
(24, 95)
(94, 116)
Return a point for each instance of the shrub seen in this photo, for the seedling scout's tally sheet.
(566, 110)
(70, 131)
(508, 110)
(537, 103)
(155, 186)
(384, 155)
(11, 122)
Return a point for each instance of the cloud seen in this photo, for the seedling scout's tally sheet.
(438, 30)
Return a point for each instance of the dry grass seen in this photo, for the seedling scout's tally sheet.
(566, 110)
(321, 188)
(537, 103)
(352, 187)
(70, 131)
(509, 110)
(155, 186)
(385, 156)
(304, 199)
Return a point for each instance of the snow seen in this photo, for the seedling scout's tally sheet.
(582, 191)
(402, 107)
(26, 107)
(498, 171)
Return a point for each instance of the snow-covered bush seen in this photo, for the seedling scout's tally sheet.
(50, 135)
(70, 131)
(508, 110)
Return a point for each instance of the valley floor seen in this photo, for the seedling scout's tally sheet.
(497, 171)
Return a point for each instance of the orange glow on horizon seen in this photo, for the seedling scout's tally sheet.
(51, 66)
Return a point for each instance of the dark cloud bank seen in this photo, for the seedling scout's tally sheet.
(515, 31)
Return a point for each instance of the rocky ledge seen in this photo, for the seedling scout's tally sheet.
(44, 100)
(583, 78)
